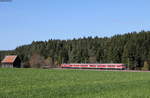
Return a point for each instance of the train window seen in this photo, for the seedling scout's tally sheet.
(92, 65)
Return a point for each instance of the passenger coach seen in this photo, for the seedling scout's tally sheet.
(96, 66)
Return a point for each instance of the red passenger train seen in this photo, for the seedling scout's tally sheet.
(96, 66)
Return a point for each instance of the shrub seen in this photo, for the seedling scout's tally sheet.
(36, 61)
(146, 66)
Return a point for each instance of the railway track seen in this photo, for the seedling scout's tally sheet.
(104, 70)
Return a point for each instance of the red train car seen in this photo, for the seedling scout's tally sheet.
(96, 66)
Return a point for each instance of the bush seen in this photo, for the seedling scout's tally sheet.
(26, 65)
(146, 66)
(37, 61)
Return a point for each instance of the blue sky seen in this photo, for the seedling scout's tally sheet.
(22, 21)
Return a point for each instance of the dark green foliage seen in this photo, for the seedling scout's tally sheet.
(131, 48)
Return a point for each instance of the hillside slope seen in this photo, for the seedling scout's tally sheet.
(131, 48)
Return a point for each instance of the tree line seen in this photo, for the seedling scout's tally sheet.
(131, 48)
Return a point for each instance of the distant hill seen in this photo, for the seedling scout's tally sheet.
(131, 48)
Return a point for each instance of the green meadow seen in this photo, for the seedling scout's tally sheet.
(44, 83)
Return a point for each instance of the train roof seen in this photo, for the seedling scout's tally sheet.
(95, 64)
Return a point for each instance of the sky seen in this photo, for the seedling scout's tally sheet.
(24, 21)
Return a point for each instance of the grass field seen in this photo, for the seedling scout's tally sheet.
(40, 83)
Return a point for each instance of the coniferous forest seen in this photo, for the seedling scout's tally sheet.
(131, 48)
